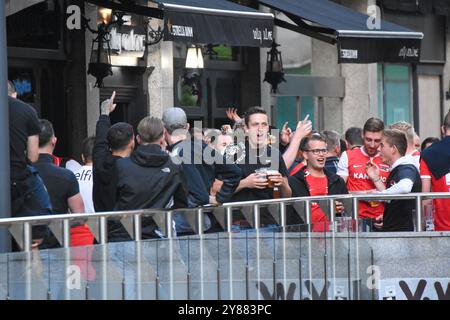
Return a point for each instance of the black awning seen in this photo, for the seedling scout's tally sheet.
(216, 21)
(356, 42)
(204, 21)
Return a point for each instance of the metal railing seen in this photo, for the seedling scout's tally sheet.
(21, 228)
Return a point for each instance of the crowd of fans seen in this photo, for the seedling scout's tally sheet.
(168, 164)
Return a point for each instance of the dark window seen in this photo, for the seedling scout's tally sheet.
(24, 82)
(37, 26)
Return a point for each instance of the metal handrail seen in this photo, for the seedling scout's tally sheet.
(225, 209)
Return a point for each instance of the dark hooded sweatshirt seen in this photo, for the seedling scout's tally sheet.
(201, 173)
(148, 179)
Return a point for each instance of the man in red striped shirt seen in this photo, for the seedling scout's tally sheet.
(352, 165)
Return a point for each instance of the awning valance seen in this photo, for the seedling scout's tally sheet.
(357, 40)
(205, 21)
(216, 21)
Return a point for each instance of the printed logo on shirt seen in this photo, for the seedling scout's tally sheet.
(235, 153)
(85, 175)
(364, 176)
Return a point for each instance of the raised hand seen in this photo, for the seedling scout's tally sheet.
(108, 105)
(286, 134)
(304, 127)
(232, 114)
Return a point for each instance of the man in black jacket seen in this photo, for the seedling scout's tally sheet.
(111, 144)
(149, 178)
(315, 180)
(200, 172)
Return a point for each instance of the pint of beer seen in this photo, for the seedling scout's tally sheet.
(269, 180)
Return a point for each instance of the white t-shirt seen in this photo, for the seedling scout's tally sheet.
(85, 181)
(73, 165)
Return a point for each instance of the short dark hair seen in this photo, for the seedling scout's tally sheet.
(47, 132)
(343, 145)
(353, 136)
(332, 139)
(251, 111)
(304, 144)
(447, 121)
(87, 147)
(396, 138)
(119, 135)
(150, 129)
(427, 141)
(373, 125)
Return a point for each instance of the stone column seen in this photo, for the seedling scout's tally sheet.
(361, 96)
(92, 94)
(267, 100)
(161, 81)
(324, 63)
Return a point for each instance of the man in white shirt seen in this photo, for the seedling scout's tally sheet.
(403, 178)
(84, 174)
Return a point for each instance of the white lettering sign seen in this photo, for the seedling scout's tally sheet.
(266, 35)
(349, 54)
(126, 42)
(408, 52)
(182, 31)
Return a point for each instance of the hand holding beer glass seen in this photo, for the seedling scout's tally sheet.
(273, 178)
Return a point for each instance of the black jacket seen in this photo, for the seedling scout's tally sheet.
(299, 186)
(104, 185)
(201, 172)
(149, 179)
(336, 185)
(398, 214)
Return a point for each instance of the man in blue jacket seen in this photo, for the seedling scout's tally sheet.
(200, 173)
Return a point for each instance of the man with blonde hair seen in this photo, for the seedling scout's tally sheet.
(403, 178)
(410, 134)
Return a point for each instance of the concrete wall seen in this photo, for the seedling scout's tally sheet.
(429, 106)
(324, 63)
(446, 76)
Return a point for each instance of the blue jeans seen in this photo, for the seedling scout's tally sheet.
(29, 197)
(182, 225)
